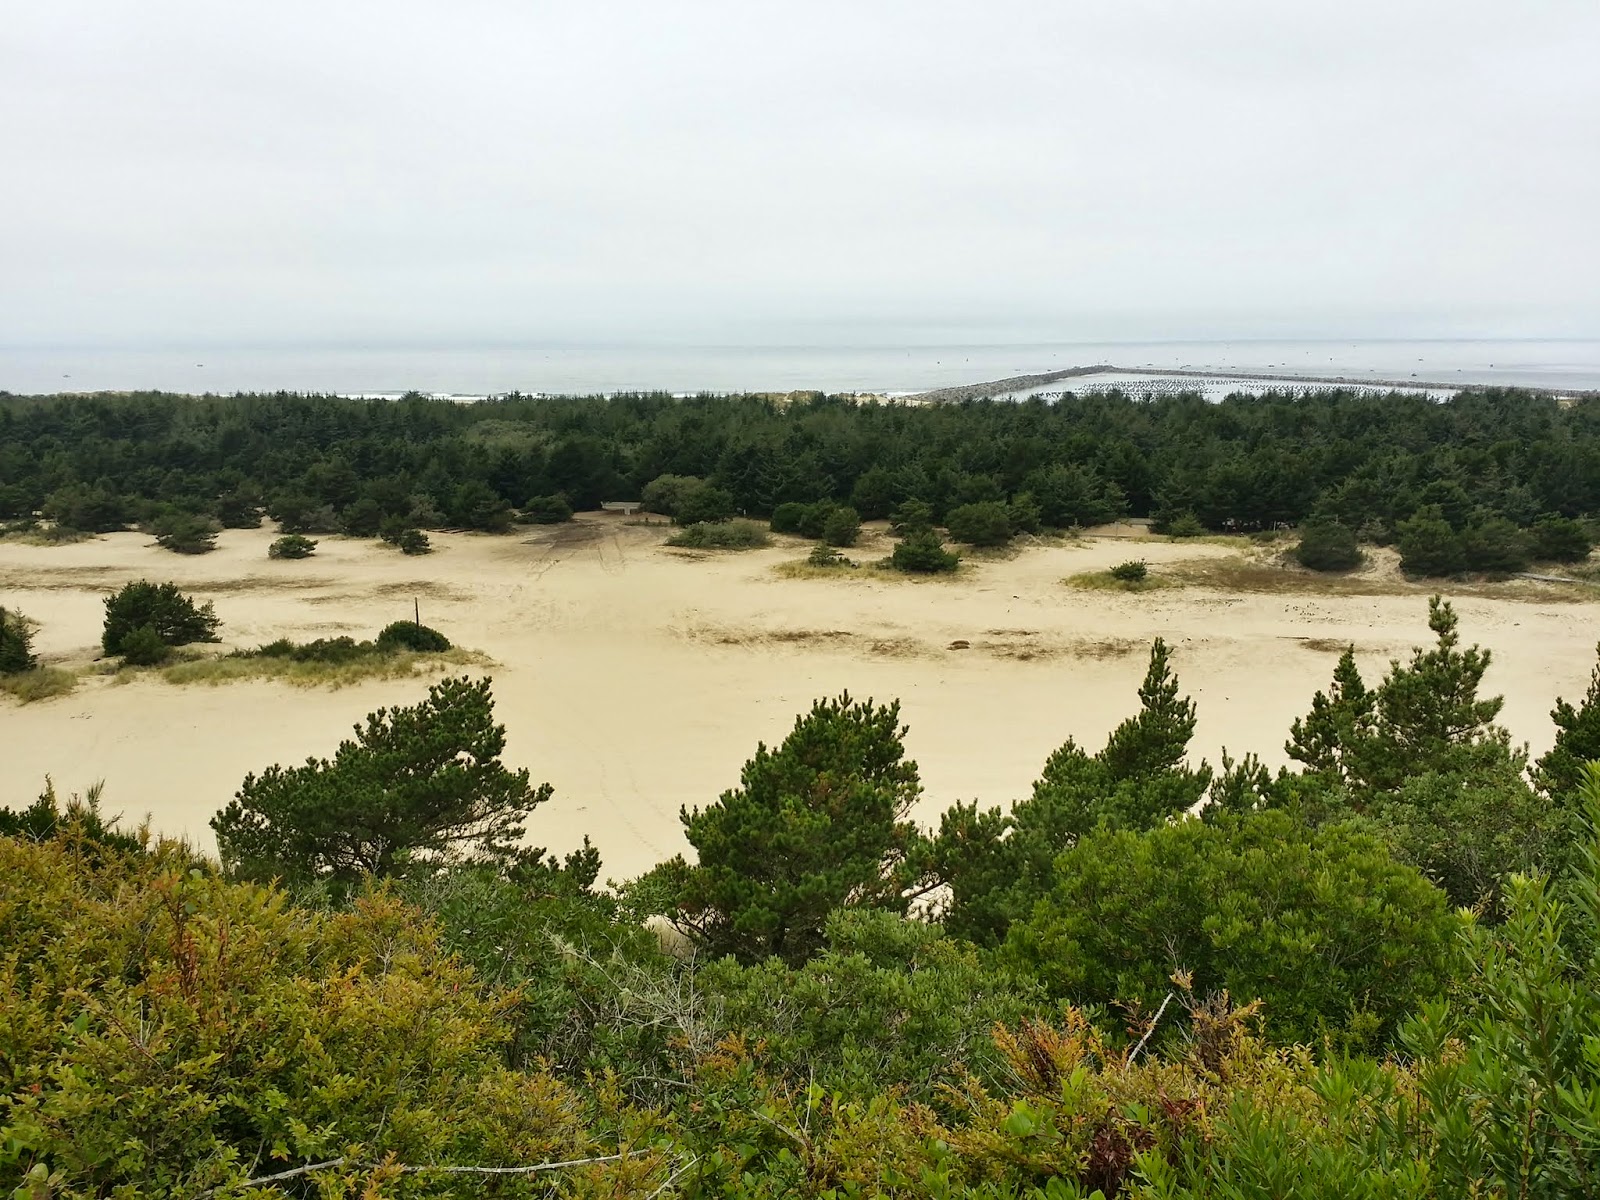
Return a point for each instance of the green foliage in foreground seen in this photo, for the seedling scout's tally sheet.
(423, 783)
(1067, 1027)
(170, 1033)
(173, 617)
(1322, 926)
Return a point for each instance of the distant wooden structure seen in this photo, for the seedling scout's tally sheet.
(626, 507)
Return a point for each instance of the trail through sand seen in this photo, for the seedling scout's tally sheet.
(638, 679)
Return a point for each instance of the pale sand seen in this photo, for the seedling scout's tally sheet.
(637, 679)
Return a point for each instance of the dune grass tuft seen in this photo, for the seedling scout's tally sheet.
(214, 671)
(41, 683)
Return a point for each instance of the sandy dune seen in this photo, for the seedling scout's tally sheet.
(637, 679)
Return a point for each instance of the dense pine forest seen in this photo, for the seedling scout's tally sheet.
(1373, 974)
(1485, 480)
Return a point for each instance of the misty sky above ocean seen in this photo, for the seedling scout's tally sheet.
(732, 173)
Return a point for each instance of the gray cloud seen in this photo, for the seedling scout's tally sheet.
(735, 171)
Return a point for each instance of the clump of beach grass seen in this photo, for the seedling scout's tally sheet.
(41, 683)
(1120, 578)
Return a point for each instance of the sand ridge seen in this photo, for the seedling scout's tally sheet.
(638, 679)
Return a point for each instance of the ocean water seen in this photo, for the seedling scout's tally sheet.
(470, 371)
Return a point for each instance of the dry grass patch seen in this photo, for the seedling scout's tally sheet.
(41, 683)
(216, 670)
(1103, 581)
(801, 569)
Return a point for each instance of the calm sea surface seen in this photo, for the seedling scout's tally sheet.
(583, 369)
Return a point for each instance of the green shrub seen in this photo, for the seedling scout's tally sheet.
(703, 505)
(1559, 539)
(16, 643)
(1429, 545)
(1244, 903)
(725, 535)
(1496, 546)
(547, 510)
(824, 555)
(1184, 525)
(185, 533)
(842, 527)
(983, 524)
(292, 545)
(922, 553)
(174, 617)
(413, 541)
(408, 635)
(1327, 546)
(786, 518)
(1133, 571)
(143, 647)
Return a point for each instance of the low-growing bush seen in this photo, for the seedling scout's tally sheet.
(409, 635)
(143, 647)
(184, 533)
(923, 554)
(825, 555)
(546, 510)
(725, 535)
(413, 541)
(1327, 546)
(984, 524)
(1183, 525)
(1133, 571)
(842, 527)
(173, 616)
(292, 545)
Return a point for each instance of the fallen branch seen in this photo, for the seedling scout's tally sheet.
(330, 1164)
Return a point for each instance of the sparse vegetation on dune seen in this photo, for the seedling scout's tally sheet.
(39, 683)
(721, 535)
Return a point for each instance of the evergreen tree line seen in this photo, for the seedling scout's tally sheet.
(1371, 975)
(1482, 480)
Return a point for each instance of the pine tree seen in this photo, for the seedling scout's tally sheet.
(1428, 712)
(418, 783)
(1339, 722)
(1561, 772)
(16, 644)
(817, 824)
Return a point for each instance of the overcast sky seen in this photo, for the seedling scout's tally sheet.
(478, 170)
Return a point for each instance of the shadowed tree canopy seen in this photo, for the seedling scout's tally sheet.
(417, 784)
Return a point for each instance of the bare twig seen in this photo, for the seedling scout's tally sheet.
(673, 1178)
(332, 1163)
(1154, 1021)
(529, 1170)
(263, 1180)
